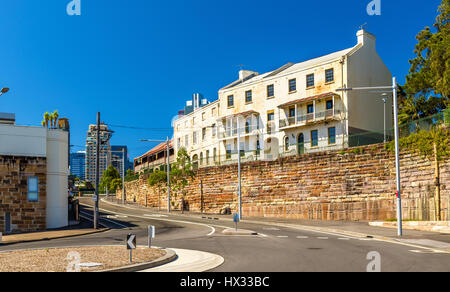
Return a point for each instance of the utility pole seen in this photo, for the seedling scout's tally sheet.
(168, 174)
(397, 145)
(97, 173)
(168, 166)
(123, 176)
(239, 169)
(397, 160)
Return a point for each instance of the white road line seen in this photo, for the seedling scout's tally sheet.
(163, 219)
(212, 232)
(322, 238)
(302, 237)
(282, 236)
(343, 238)
(102, 218)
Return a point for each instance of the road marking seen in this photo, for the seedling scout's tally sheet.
(282, 236)
(302, 237)
(212, 232)
(155, 215)
(271, 229)
(426, 251)
(163, 219)
(344, 238)
(322, 238)
(102, 218)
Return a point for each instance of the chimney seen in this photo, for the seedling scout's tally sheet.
(366, 38)
(243, 74)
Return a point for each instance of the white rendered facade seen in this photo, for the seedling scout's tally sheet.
(295, 109)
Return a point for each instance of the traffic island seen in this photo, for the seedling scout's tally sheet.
(83, 259)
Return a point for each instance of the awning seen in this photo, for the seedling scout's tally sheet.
(311, 98)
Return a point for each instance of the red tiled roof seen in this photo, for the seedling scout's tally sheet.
(157, 149)
(301, 100)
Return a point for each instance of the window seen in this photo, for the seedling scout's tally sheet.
(314, 138)
(230, 101)
(186, 140)
(310, 108)
(292, 85)
(228, 156)
(286, 144)
(329, 75)
(214, 130)
(292, 112)
(204, 134)
(330, 105)
(215, 154)
(248, 96)
(203, 116)
(270, 119)
(33, 189)
(213, 112)
(270, 90)
(331, 136)
(194, 138)
(247, 126)
(310, 81)
(179, 143)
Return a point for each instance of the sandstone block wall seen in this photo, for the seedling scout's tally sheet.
(321, 186)
(25, 216)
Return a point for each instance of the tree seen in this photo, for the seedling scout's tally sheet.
(427, 86)
(110, 180)
(55, 116)
(46, 119)
(181, 172)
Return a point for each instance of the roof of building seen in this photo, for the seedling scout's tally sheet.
(311, 98)
(244, 114)
(157, 149)
(290, 68)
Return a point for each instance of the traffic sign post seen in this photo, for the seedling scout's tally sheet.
(131, 244)
(151, 234)
(236, 219)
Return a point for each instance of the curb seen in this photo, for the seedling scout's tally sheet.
(169, 257)
(58, 237)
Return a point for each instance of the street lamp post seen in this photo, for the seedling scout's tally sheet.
(168, 167)
(397, 146)
(4, 90)
(385, 98)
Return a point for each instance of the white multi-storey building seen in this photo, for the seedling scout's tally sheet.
(292, 110)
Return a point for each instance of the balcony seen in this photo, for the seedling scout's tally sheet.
(304, 120)
(248, 130)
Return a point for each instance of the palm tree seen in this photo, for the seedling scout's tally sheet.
(46, 118)
(55, 118)
(43, 123)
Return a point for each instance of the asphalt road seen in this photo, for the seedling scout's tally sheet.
(275, 249)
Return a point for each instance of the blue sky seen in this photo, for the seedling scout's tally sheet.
(137, 61)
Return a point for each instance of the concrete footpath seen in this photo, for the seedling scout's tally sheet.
(46, 235)
(190, 261)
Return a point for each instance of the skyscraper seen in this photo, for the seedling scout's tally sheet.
(78, 164)
(117, 158)
(91, 148)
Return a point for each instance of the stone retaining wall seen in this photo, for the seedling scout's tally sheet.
(356, 185)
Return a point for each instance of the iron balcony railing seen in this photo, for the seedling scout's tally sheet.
(302, 120)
